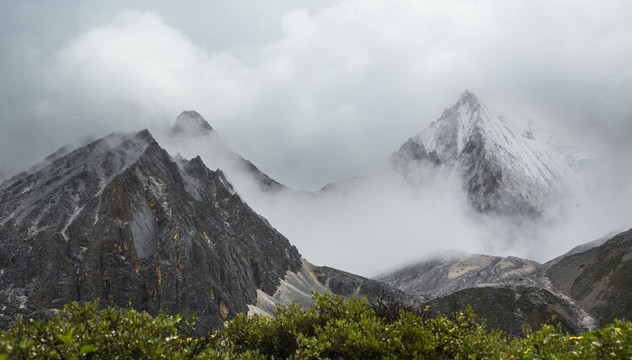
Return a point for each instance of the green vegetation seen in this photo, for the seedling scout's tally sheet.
(620, 280)
(334, 328)
(588, 277)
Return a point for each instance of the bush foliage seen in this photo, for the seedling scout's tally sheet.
(334, 328)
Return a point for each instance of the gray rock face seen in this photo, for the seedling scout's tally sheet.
(346, 284)
(504, 292)
(299, 286)
(585, 288)
(121, 221)
(504, 169)
(191, 123)
(455, 272)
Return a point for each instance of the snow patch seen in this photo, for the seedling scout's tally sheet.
(72, 218)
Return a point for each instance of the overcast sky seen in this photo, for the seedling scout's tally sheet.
(310, 91)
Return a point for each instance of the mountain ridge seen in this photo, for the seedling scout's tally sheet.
(586, 287)
(121, 220)
(504, 170)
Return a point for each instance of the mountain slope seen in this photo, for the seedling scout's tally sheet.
(508, 308)
(505, 292)
(585, 288)
(119, 220)
(191, 136)
(447, 274)
(503, 167)
(599, 278)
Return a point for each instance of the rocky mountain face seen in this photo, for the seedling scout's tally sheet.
(587, 287)
(509, 308)
(299, 286)
(504, 169)
(121, 221)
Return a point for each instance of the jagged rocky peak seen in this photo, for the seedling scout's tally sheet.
(191, 123)
(120, 220)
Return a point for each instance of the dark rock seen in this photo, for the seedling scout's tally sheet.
(585, 288)
(509, 309)
(118, 220)
(346, 284)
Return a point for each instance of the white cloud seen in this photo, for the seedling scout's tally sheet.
(138, 59)
(313, 92)
(341, 86)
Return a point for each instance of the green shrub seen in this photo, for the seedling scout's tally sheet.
(334, 328)
(339, 328)
(85, 332)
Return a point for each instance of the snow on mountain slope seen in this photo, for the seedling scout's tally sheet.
(504, 167)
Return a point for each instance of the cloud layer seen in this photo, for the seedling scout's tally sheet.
(326, 92)
(319, 91)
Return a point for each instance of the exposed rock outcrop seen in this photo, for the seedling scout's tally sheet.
(119, 220)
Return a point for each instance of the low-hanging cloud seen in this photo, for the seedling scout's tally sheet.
(320, 93)
(336, 88)
(375, 223)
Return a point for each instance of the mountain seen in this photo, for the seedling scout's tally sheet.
(503, 167)
(505, 292)
(598, 277)
(453, 272)
(191, 135)
(509, 308)
(585, 288)
(120, 220)
(299, 286)
(62, 151)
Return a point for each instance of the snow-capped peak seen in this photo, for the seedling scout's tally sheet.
(449, 134)
(502, 164)
(467, 98)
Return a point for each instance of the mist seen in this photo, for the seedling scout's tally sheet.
(374, 224)
(319, 91)
(310, 91)
(379, 221)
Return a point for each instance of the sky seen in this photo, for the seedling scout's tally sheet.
(312, 92)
